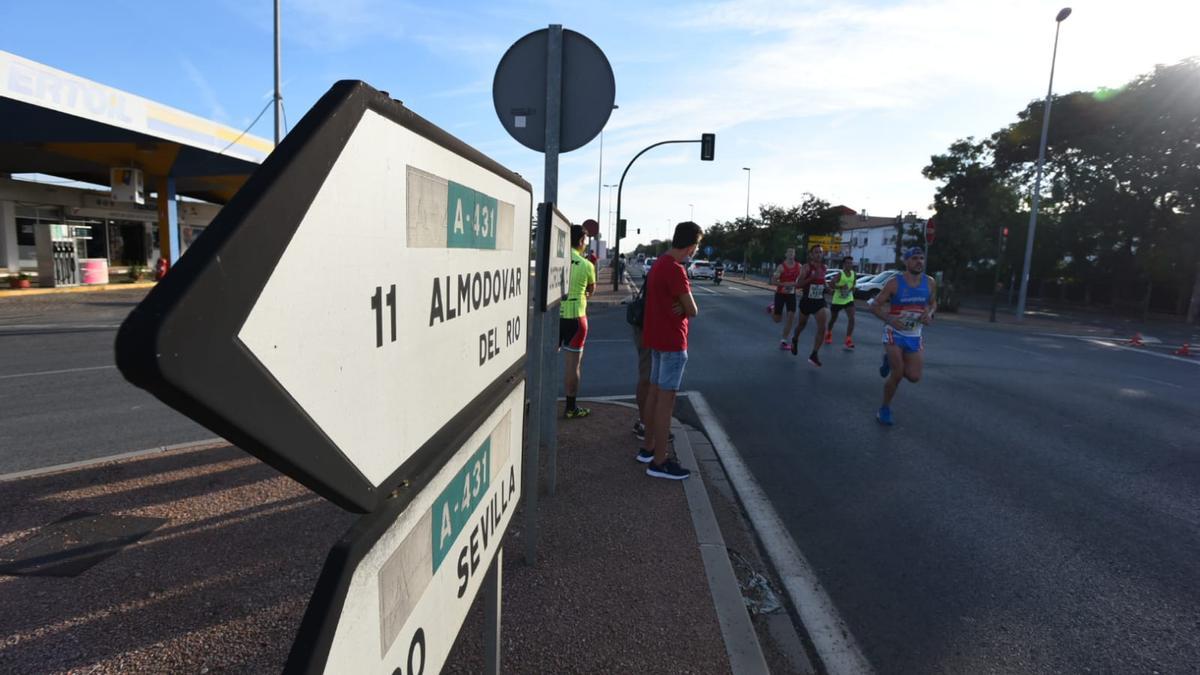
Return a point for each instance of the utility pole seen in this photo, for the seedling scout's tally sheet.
(1037, 182)
(278, 95)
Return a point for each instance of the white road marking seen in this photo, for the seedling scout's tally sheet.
(55, 372)
(1162, 382)
(28, 473)
(1136, 350)
(706, 290)
(59, 326)
(1023, 351)
(831, 637)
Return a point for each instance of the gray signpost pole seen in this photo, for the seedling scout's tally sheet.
(554, 79)
(492, 584)
(538, 404)
(535, 110)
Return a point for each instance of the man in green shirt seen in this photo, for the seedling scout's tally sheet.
(572, 321)
(843, 299)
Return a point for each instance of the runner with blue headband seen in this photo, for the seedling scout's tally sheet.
(905, 305)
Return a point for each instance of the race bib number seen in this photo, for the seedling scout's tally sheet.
(909, 320)
(816, 292)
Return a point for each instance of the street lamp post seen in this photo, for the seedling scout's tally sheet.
(600, 172)
(691, 212)
(610, 186)
(278, 96)
(1037, 181)
(746, 250)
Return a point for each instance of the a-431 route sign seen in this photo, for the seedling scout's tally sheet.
(359, 302)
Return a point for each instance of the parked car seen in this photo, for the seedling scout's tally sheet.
(700, 269)
(869, 287)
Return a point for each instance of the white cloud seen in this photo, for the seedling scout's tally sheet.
(850, 101)
(209, 95)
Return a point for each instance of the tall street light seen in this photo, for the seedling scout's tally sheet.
(691, 212)
(1037, 182)
(600, 172)
(278, 97)
(747, 170)
(746, 251)
(610, 186)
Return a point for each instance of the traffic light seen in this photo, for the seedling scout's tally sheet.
(708, 144)
(620, 229)
(1005, 233)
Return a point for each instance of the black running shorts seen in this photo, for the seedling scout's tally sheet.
(808, 306)
(783, 300)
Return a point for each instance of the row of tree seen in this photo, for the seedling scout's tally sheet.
(763, 238)
(1118, 223)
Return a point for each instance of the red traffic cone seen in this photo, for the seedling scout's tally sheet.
(1136, 340)
(1183, 351)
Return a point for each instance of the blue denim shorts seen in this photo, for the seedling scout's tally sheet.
(666, 369)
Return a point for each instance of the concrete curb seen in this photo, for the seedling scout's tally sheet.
(741, 641)
(27, 292)
(836, 647)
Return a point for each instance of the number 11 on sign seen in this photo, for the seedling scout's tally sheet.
(377, 305)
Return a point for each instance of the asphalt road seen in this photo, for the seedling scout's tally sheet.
(1036, 508)
(61, 398)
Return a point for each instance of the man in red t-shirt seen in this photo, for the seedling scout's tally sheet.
(669, 304)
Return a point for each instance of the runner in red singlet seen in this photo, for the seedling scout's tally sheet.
(785, 276)
(812, 287)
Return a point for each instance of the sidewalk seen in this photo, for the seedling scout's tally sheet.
(220, 582)
(604, 295)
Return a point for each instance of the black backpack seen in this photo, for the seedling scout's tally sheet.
(635, 311)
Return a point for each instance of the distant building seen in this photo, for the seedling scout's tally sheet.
(870, 239)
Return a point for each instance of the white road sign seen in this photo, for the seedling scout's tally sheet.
(359, 300)
(557, 259)
(430, 307)
(396, 591)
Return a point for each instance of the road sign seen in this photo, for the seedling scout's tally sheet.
(556, 257)
(930, 231)
(591, 227)
(358, 301)
(588, 91)
(832, 243)
(708, 250)
(395, 591)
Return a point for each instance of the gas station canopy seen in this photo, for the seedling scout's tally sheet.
(63, 125)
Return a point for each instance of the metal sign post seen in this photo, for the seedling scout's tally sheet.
(553, 92)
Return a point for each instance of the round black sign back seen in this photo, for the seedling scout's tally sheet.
(588, 90)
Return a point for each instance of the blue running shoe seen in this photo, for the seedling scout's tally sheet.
(886, 368)
(884, 416)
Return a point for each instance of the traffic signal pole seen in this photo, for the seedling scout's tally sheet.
(707, 146)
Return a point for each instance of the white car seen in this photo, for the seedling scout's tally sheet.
(869, 287)
(700, 269)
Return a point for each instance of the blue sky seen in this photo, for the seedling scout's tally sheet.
(845, 100)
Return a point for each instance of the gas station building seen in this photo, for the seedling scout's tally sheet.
(161, 174)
